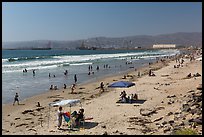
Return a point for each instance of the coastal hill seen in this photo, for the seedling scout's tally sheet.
(182, 39)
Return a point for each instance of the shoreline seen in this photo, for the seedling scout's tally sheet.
(87, 93)
(96, 79)
(123, 72)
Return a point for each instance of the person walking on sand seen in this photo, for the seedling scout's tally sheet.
(75, 78)
(65, 86)
(102, 87)
(16, 99)
(73, 87)
(59, 117)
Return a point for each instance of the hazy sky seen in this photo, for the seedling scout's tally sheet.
(23, 21)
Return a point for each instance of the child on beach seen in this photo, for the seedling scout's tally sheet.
(59, 117)
(73, 87)
(65, 86)
(16, 99)
(102, 87)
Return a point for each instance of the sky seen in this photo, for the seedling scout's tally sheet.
(26, 21)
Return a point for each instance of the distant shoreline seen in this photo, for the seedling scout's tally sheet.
(101, 49)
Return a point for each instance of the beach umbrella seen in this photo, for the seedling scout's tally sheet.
(68, 102)
(121, 84)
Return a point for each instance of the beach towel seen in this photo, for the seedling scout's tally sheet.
(88, 118)
(67, 116)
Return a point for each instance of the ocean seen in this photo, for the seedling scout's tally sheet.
(56, 62)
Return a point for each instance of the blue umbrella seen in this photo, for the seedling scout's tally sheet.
(121, 84)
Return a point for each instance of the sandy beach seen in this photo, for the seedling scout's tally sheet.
(159, 113)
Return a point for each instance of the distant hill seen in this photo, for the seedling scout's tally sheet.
(144, 41)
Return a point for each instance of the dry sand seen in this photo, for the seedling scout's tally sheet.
(109, 116)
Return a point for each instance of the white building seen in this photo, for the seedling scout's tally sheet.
(164, 46)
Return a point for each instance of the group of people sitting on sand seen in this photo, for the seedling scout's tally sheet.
(127, 99)
(53, 87)
(194, 75)
(76, 117)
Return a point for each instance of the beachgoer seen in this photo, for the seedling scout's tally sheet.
(49, 75)
(25, 70)
(54, 76)
(75, 78)
(73, 118)
(135, 96)
(97, 68)
(33, 72)
(138, 74)
(38, 105)
(80, 117)
(59, 117)
(55, 87)
(51, 87)
(124, 77)
(66, 72)
(16, 99)
(89, 73)
(73, 87)
(123, 96)
(150, 72)
(65, 86)
(102, 87)
(189, 75)
(89, 68)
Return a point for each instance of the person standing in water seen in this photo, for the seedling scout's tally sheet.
(75, 78)
(33, 72)
(16, 99)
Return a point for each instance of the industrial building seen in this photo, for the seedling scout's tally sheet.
(164, 46)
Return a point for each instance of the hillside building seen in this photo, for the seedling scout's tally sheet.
(164, 46)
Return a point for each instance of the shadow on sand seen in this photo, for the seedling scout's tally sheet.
(86, 125)
(89, 125)
(21, 104)
(139, 101)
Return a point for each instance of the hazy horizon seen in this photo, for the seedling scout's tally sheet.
(69, 21)
(94, 37)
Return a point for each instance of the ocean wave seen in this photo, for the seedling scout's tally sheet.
(67, 60)
(77, 64)
(27, 58)
(28, 69)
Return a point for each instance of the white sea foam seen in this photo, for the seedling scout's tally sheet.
(77, 64)
(66, 60)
